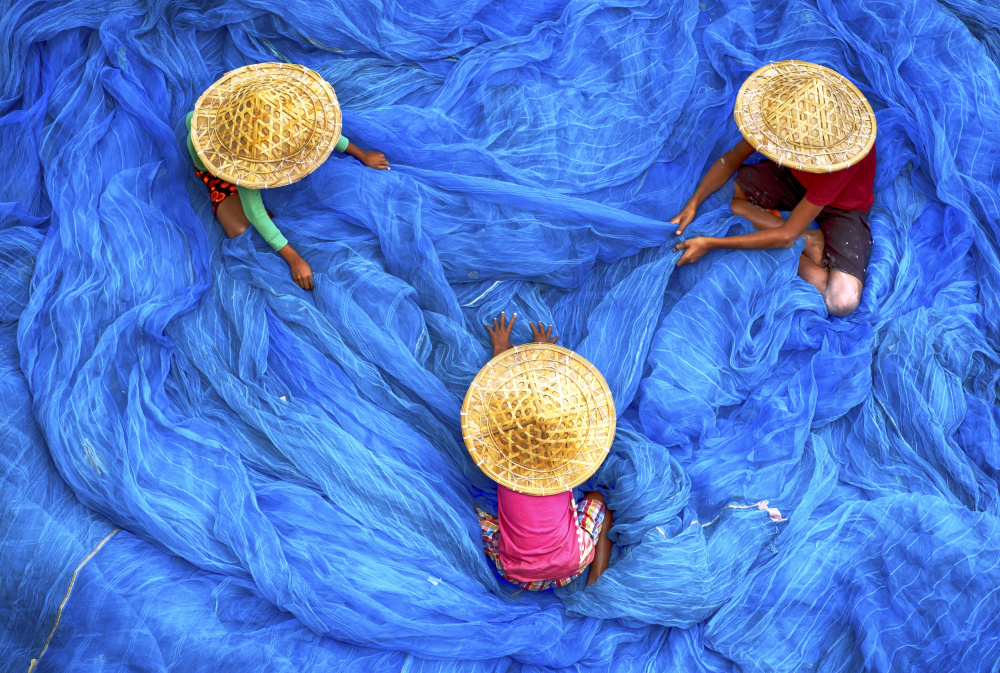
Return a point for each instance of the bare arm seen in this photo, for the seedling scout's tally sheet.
(778, 237)
(714, 179)
(301, 271)
(370, 158)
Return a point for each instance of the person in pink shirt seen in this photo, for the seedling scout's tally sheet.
(542, 541)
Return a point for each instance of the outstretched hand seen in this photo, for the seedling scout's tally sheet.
(542, 336)
(500, 333)
(375, 160)
(302, 274)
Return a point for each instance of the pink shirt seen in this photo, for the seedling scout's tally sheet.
(538, 535)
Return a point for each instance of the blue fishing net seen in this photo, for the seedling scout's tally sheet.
(282, 474)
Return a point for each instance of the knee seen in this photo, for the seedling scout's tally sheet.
(842, 304)
(814, 236)
(236, 230)
(738, 193)
(593, 495)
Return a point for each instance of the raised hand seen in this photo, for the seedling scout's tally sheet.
(500, 333)
(542, 336)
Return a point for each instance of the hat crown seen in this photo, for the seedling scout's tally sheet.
(261, 121)
(534, 428)
(807, 111)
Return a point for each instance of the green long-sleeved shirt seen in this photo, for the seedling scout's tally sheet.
(253, 206)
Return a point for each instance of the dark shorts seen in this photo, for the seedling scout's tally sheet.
(218, 190)
(847, 233)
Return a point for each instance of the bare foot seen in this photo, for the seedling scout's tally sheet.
(815, 242)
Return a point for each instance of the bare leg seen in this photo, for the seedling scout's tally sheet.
(815, 242)
(759, 218)
(763, 219)
(602, 550)
(813, 273)
(231, 216)
(841, 291)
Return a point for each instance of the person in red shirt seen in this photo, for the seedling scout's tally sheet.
(817, 131)
(538, 541)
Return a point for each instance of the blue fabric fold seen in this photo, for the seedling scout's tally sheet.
(287, 467)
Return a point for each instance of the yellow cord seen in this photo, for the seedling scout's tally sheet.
(34, 662)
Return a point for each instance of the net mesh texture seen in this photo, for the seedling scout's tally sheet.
(288, 469)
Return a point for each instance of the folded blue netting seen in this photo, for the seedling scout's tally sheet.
(282, 474)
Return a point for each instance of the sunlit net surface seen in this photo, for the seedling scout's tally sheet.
(288, 468)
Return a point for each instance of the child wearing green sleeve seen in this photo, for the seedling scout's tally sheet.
(261, 126)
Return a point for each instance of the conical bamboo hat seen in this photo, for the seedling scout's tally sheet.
(805, 116)
(539, 419)
(266, 125)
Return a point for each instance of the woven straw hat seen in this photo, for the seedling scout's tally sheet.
(538, 419)
(266, 125)
(805, 116)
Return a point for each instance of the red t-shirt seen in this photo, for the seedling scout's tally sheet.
(849, 189)
(538, 538)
